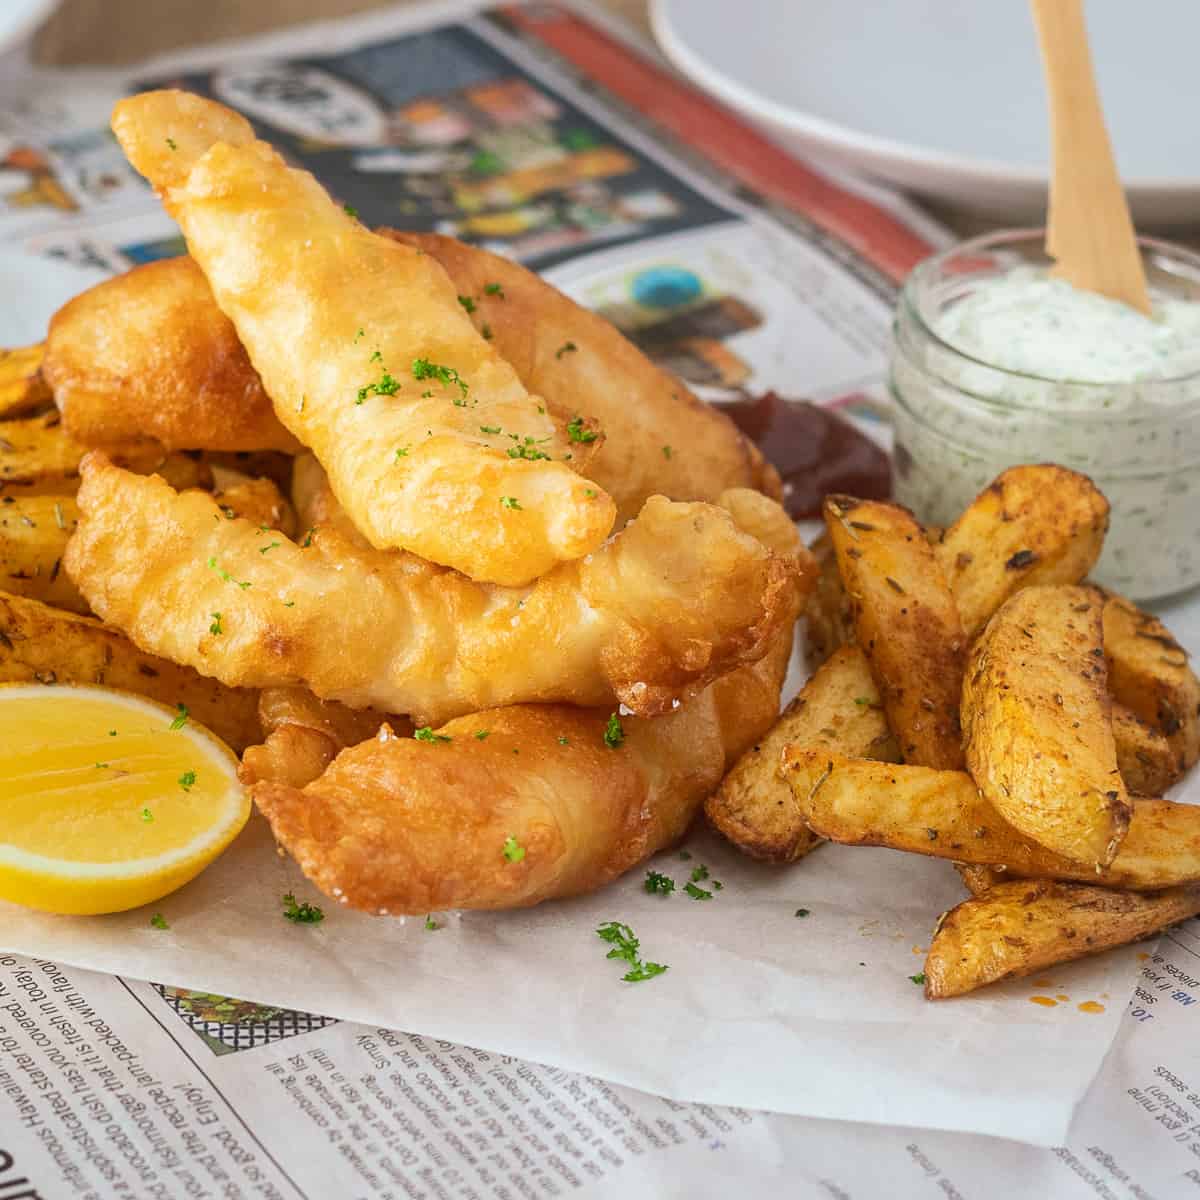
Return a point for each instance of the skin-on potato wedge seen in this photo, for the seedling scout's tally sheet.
(978, 879)
(942, 814)
(38, 456)
(33, 535)
(1032, 525)
(1037, 720)
(837, 709)
(1148, 672)
(828, 621)
(906, 622)
(22, 388)
(1017, 928)
(39, 644)
(1145, 758)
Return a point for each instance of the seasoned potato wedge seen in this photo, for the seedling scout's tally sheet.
(828, 622)
(838, 709)
(46, 645)
(906, 622)
(1017, 928)
(22, 388)
(1032, 525)
(1147, 763)
(33, 535)
(1148, 672)
(978, 879)
(38, 456)
(943, 814)
(1037, 720)
(260, 501)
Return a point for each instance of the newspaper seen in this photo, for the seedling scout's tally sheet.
(787, 991)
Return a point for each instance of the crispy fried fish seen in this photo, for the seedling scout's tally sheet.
(662, 439)
(430, 440)
(148, 354)
(680, 596)
(513, 806)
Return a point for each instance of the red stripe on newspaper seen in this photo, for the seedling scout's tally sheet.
(727, 140)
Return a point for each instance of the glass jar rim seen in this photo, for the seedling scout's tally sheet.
(1000, 239)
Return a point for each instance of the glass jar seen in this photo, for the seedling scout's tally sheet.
(960, 421)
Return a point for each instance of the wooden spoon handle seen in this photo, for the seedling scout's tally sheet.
(1089, 233)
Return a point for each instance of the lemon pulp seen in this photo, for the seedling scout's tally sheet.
(107, 800)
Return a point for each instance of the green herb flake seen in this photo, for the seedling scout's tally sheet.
(187, 780)
(301, 913)
(659, 885)
(430, 923)
(486, 331)
(308, 537)
(493, 289)
(699, 873)
(422, 368)
(697, 893)
(225, 575)
(802, 912)
(527, 448)
(172, 143)
(158, 921)
(102, 766)
(863, 701)
(147, 815)
(112, 733)
(562, 741)
(918, 979)
(577, 433)
(181, 716)
(482, 735)
(614, 734)
(215, 627)
(467, 303)
(513, 851)
(509, 502)
(626, 947)
(667, 451)
(590, 493)
(264, 549)
(489, 429)
(565, 348)
(402, 452)
(350, 211)
(425, 734)
(386, 385)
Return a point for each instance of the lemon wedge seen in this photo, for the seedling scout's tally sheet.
(107, 800)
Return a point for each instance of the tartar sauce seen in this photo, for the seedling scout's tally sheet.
(993, 368)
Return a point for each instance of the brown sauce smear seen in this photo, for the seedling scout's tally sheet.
(815, 451)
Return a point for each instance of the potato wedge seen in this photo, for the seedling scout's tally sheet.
(33, 535)
(1147, 763)
(22, 388)
(828, 623)
(1148, 672)
(943, 814)
(1017, 928)
(978, 879)
(1032, 525)
(39, 456)
(1037, 720)
(260, 501)
(46, 645)
(906, 622)
(837, 709)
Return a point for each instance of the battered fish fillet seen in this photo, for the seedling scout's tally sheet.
(150, 355)
(662, 439)
(430, 441)
(401, 825)
(678, 598)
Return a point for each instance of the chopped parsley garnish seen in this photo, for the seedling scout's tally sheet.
(493, 289)
(181, 716)
(159, 921)
(489, 429)
(172, 143)
(147, 815)
(667, 452)
(402, 452)
(513, 850)
(225, 575)
(422, 368)
(863, 701)
(627, 948)
(112, 733)
(425, 734)
(308, 537)
(376, 356)
(590, 493)
(528, 448)
(487, 332)
(802, 912)
(509, 502)
(187, 780)
(614, 734)
(918, 979)
(482, 734)
(467, 303)
(659, 885)
(386, 385)
(577, 433)
(430, 923)
(565, 348)
(697, 893)
(360, 334)
(562, 741)
(302, 913)
(215, 627)
(264, 549)
(102, 766)
(350, 211)
(699, 873)
(685, 855)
